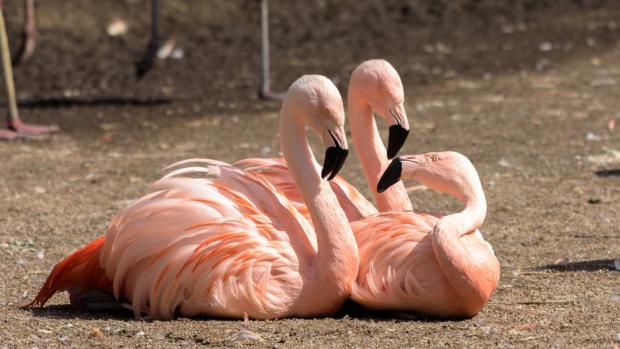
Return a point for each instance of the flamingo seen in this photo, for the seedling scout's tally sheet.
(145, 64)
(374, 86)
(417, 261)
(15, 128)
(230, 245)
(29, 34)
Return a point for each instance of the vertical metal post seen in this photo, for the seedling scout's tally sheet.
(265, 44)
(154, 30)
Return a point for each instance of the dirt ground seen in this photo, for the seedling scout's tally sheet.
(526, 92)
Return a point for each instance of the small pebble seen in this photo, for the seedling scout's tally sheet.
(562, 261)
(265, 151)
(504, 163)
(117, 27)
(591, 136)
(545, 47)
(95, 332)
(177, 53)
(244, 334)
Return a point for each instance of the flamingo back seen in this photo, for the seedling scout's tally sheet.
(223, 244)
(275, 170)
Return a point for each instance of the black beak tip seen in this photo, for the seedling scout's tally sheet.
(397, 137)
(390, 176)
(334, 160)
(326, 170)
(344, 153)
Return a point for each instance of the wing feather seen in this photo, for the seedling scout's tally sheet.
(222, 245)
(275, 170)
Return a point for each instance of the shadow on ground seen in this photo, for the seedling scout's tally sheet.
(592, 265)
(608, 173)
(49, 103)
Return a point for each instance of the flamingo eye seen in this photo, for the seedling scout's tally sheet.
(434, 157)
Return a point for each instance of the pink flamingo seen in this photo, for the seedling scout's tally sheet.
(375, 86)
(146, 62)
(436, 265)
(15, 128)
(233, 244)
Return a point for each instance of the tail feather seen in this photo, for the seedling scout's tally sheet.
(78, 273)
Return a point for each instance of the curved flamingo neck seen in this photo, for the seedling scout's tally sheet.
(373, 156)
(473, 276)
(337, 258)
(472, 216)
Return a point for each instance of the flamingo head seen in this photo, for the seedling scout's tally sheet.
(448, 172)
(317, 103)
(377, 84)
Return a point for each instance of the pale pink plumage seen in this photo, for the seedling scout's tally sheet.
(229, 244)
(374, 86)
(421, 262)
(275, 170)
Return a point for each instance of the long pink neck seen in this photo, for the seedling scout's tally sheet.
(373, 156)
(473, 273)
(337, 258)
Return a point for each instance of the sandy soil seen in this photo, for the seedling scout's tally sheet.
(528, 102)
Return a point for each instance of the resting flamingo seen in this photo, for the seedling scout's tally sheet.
(374, 86)
(415, 261)
(232, 244)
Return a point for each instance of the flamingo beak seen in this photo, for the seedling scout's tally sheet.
(334, 159)
(390, 176)
(398, 131)
(398, 136)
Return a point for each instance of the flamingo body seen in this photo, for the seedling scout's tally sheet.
(400, 271)
(158, 250)
(439, 265)
(229, 243)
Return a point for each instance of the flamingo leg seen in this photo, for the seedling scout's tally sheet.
(29, 34)
(265, 90)
(148, 58)
(15, 128)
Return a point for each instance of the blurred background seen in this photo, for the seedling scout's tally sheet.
(427, 40)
